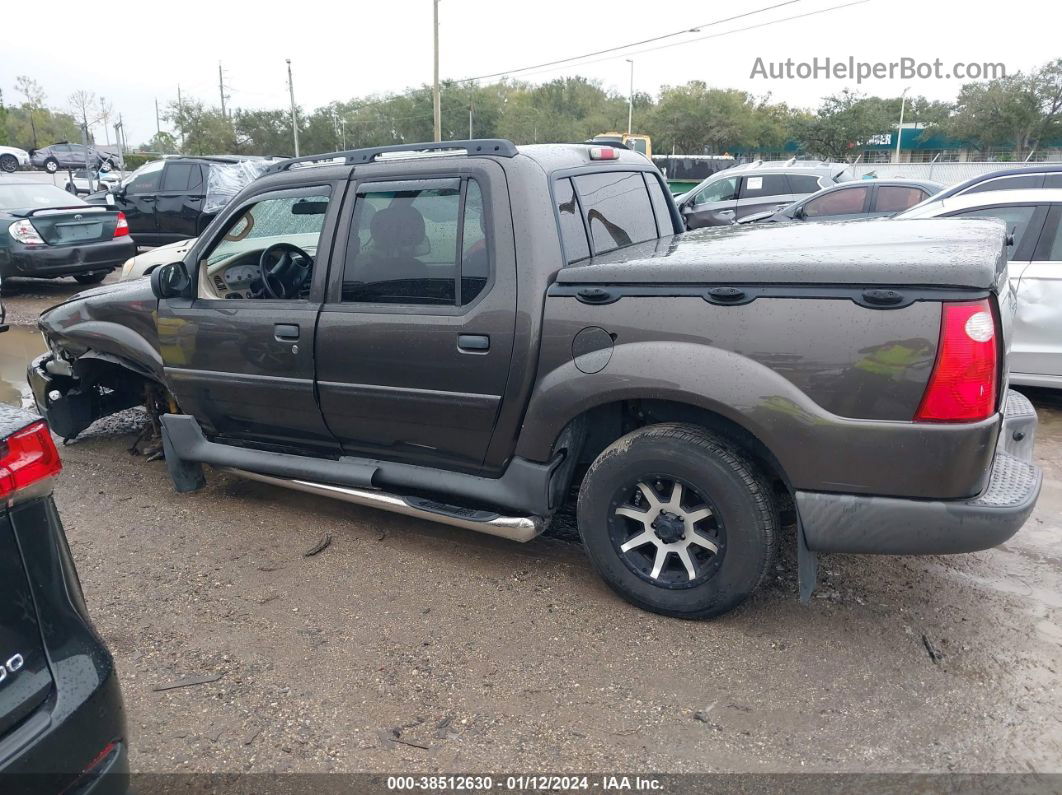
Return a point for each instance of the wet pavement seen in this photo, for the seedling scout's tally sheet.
(406, 645)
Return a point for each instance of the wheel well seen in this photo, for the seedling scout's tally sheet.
(606, 423)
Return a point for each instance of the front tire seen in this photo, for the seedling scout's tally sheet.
(90, 278)
(51, 165)
(678, 522)
(8, 163)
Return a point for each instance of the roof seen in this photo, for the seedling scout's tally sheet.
(967, 253)
(1054, 168)
(942, 203)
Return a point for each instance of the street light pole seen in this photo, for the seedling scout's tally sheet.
(630, 99)
(899, 130)
(435, 98)
(294, 115)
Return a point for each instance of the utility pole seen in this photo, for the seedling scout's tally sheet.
(630, 99)
(899, 130)
(435, 98)
(180, 115)
(294, 115)
(158, 124)
(471, 106)
(221, 88)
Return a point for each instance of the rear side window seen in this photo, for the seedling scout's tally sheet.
(894, 198)
(1017, 220)
(847, 201)
(181, 177)
(573, 233)
(617, 209)
(421, 244)
(803, 183)
(1053, 181)
(664, 224)
(766, 185)
(1008, 183)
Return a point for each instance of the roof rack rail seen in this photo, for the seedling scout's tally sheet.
(499, 147)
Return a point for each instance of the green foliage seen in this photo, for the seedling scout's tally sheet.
(31, 124)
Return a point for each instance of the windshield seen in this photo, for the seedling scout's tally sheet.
(31, 197)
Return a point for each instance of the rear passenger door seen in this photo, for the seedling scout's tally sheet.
(1036, 346)
(179, 201)
(759, 192)
(415, 338)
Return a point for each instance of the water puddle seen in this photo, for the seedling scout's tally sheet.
(19, 345)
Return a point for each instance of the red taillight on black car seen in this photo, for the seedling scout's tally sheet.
(121, 228)
(965, 378)
(27, 457)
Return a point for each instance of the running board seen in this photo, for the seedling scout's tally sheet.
(514, 528)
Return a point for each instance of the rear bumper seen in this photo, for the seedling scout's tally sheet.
(897, 526)
(54, 261)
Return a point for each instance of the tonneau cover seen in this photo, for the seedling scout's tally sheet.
(937, 252)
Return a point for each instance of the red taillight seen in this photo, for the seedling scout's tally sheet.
(27, 457)
(964, 381)
(121, 229)
(603, 153)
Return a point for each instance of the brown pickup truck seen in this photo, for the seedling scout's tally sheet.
(474, 332)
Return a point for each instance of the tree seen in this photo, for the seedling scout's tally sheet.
(843, 121)
(86, 109)
(33, 103)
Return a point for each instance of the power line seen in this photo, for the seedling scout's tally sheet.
(685, 31)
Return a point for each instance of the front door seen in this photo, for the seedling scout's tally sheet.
(1037, 338)
(179, 202)
(713, 205)
(239, 356)
(415, 340)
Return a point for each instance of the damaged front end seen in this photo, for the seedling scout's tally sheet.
(103, 358)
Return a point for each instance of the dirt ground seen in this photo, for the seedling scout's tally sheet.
(408, 646)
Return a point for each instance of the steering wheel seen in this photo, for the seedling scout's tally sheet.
(283, 278)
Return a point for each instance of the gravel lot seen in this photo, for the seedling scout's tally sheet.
(409, 646)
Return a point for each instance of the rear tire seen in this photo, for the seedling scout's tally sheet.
(51, 165)
(8, 163)
(692, 553)
(91, 278)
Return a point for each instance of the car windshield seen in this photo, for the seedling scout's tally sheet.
(31, 197)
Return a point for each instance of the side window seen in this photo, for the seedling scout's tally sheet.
(766, 185)
(664, 225)
(1050, 246)
(1007, 183)
(415, 243)
(847, 201)
(804, 183)
(146, 178)
(895, 198)
(1016, 218)
(618, 212)
(1053, 180)
(178, 176)
(284, 232)
(573, 233)
(721, 191)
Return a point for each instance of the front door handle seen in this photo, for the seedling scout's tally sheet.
(285, 332)
(473, 342)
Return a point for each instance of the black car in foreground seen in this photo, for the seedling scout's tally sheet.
(45, 232)
(62, 724)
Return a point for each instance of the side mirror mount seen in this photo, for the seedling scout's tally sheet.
(798, 214)
(171, 281)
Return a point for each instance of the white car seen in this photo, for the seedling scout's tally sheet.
(12, 158)
(1033, 221)
(142, 264)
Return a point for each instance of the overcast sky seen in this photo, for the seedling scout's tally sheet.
(344, 49)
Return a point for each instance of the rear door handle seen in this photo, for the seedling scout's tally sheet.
(473, 342)
(285, 332)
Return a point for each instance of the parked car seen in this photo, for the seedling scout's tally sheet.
(1035, 250)
(876, 198)
(83, 179)
(46, 233)
(1029, 177)
(728, 196)
(62, 723)
(146, 261)
(67, 155)
(465, 331)
(12, 159)
(175, 198)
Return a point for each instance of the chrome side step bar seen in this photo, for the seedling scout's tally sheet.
(514, 528)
